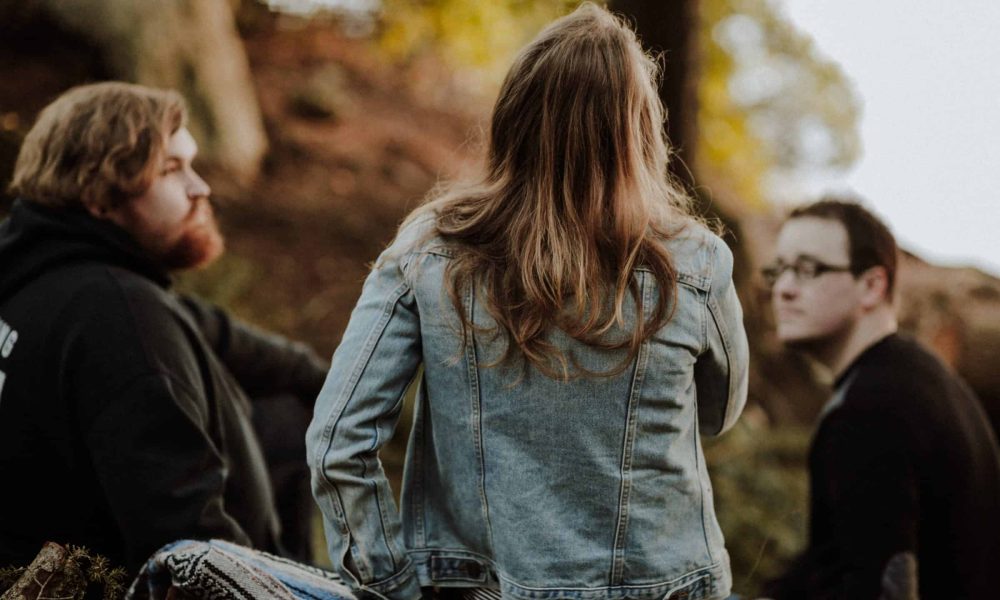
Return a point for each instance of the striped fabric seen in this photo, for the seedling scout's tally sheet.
(222, 570)
(481, 594)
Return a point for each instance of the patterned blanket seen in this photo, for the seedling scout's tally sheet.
(221, 570)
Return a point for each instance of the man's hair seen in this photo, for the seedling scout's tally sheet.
(869, 241)
(97, 145)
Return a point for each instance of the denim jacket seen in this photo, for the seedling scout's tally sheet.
(591, 488)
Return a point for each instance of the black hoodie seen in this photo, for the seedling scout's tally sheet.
(904, 486)
(122, 427)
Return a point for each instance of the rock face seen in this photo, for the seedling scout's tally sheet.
(956, 311)
(191, 46)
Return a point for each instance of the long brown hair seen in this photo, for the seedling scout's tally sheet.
(575, 196)
(97, 145)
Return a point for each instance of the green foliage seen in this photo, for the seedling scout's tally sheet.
(466, 33)
(770, 104)
(761, 488)
(234, 282)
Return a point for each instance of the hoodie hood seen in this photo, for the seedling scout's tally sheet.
(35, 239)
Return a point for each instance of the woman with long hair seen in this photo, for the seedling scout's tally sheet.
(578, 331)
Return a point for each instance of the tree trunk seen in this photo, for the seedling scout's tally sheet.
(188, 45)
(669, 28)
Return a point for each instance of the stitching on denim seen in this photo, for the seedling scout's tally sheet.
(628, 443)
(416, 490)
(452, 553)
(708, 303)
(437, 564)
(700, 282)
(727, 348)
(689, 590)
(423, 557)
(698, 457)
(691, 575)
(393, 581)
(346, 394)
(383, 507)
(475, 396)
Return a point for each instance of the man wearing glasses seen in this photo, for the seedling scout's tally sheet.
(904, 468)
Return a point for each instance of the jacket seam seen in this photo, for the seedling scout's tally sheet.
(378, 495)
(708, 303)
(698, 461)
(393, 581)
(475, 397)
(689, 575)
(621, 527)
(427, 553)
(715, 312)
(415, 497)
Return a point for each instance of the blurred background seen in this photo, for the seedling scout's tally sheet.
(323, 122)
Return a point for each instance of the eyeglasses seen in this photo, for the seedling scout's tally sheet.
(804, 269)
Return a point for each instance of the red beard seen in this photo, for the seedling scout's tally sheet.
(199, 245)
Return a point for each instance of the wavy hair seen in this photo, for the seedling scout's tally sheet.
(97, 145)
(574, 197)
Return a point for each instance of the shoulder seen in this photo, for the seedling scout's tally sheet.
(416, 236)
(899, 370)
(904, 387)
(419, 234)
(95, 289)
(128, 297)
(701, 257)
(146, 298)
(111, 327)
(125, 313)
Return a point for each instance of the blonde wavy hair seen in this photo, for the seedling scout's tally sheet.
(574, 197)
(97, 145)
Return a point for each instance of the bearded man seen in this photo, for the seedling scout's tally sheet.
(124, 423)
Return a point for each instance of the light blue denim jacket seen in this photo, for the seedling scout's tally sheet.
(592, 488)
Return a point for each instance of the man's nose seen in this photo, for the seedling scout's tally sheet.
(785, 286)
(198, 187)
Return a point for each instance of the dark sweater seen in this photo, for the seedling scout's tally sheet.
(122, 425)
(905, 466)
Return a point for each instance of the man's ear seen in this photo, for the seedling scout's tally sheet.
(875, 287)
(96, 210)
(105, 213)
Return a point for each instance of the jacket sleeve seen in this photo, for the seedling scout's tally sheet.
(721, 371)
(133, 379)
(263, 363)
(355, 415)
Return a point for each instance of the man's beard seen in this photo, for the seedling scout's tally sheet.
(199, 245)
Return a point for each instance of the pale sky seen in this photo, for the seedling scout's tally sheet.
(928, 73)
